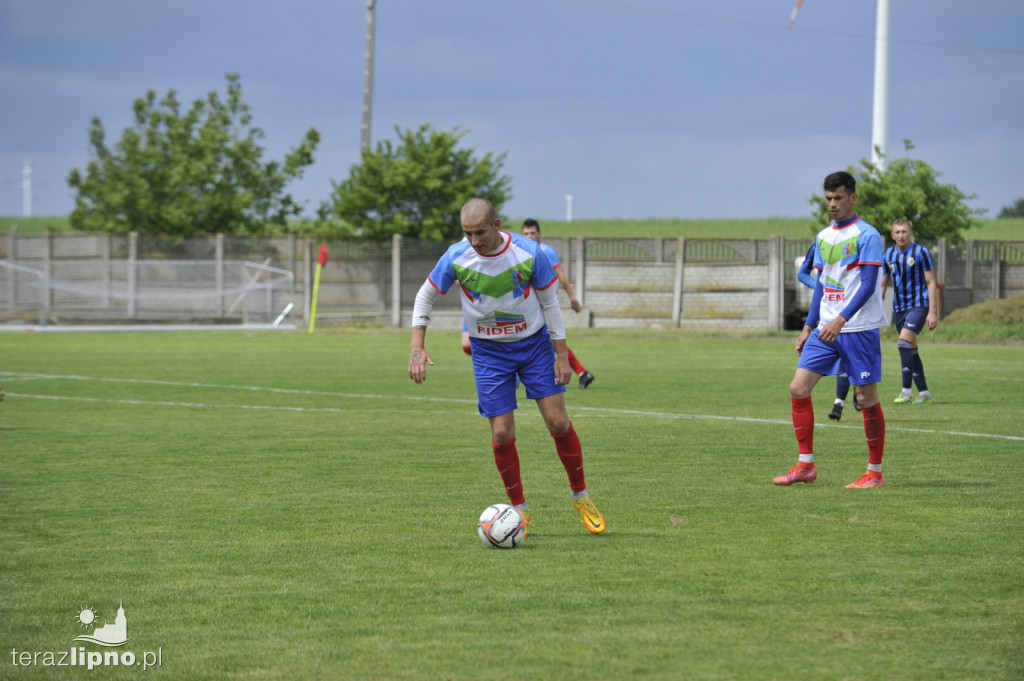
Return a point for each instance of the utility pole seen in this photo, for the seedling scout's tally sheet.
(880, 114)
(368, 75)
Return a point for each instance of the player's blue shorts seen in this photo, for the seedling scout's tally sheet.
(913, 319)
(859, 352)
(496, 364)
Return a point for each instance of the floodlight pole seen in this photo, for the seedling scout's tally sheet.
(368, 74)
(880, 114)
(26, 188)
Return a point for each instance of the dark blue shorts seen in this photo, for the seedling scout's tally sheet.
(859, 352)
(913, 319)
(496, 365)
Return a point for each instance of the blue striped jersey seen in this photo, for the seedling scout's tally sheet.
(906, 272)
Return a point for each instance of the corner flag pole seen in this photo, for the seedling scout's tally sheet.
(320, 262)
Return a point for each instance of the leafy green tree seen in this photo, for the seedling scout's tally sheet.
(181, 173)
(907, 188)
(415, 187)
(1013, 211)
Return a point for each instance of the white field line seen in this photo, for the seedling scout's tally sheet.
(206, 405)
(600, 412)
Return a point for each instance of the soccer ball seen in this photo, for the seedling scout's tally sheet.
(501, 526)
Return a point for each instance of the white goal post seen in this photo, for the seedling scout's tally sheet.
(152, 290)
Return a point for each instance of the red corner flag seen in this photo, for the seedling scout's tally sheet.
(320, 262)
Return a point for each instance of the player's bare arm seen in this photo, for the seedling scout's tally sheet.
(563, 281)
(563, 372)
(419, 358)
(933, 300)
(804, 335)
(831, 331)
(422, 307)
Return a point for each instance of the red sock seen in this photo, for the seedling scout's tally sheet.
(874, 432)
(577, 367)
(571, 454)
(803, 425)
(506, 457)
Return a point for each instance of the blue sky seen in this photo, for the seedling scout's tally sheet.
(637, 108)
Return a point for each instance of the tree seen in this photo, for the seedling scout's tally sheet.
(1013, 211)
(416, 187)
(182, 173)
(907, 188)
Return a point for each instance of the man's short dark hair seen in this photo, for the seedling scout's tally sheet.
(530, 222)
(840, 179)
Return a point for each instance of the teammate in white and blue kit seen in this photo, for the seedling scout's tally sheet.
(842, 329)
(808, 276)
(509, 294)
(531, 230)
(909, 269)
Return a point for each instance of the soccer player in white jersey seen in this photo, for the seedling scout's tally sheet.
(509, 297)
(915, 294)
(531, 230)
(842, 327)
(808, 276)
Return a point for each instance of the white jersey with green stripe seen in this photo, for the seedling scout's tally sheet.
(497, 290)
(841, 253)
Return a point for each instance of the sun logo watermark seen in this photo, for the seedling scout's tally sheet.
(110, 635)
(86, 616)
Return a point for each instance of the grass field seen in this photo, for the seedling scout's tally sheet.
(287, 506)
(791, 228)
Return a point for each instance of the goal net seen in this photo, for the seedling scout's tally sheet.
(192, 291)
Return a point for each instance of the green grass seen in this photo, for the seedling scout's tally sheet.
(796, 228)
(35, 225)
(792, 228)
(287, 506)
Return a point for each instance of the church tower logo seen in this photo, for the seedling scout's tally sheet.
(110, 635)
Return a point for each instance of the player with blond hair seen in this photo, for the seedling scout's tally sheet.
(909, 270)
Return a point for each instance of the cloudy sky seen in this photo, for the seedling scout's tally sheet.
(636, 108)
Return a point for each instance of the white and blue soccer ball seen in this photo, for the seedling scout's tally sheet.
(501, 526)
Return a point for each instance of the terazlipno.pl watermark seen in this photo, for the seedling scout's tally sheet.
(110, 635)
(89, 659)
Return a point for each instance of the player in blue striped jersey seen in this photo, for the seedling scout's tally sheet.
(909, 270)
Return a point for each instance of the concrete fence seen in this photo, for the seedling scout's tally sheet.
(747, 284)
